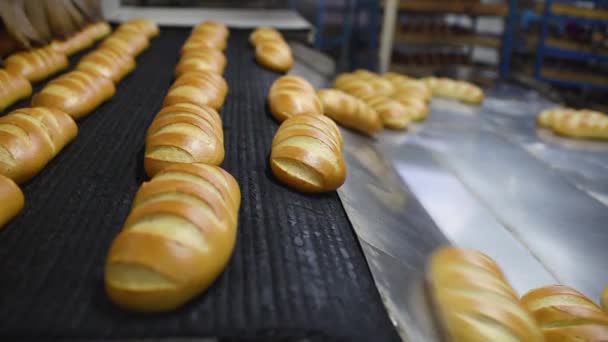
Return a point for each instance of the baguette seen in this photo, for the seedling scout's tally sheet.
(306, 154)
(12, 88)
(126, 42)
(458, 90)
(349, 111)
(184, 134)
(11, 198)
(203, 59)
(177, 239)
(474, 301)
(140, 26)
(292, 95)
(107, 63)
(36, 64)
(77, 93)
(202, 88)
(30, 138)
(275, 55)
(565, 314)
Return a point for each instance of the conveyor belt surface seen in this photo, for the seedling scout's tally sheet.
(297, 271)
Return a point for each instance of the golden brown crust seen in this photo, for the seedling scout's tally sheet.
(349, 111)
(77, 93)
(11, 198)
(264, 33)
(107, 63)
(583, 124)
(415, 105)
(275, 55)
(36, 64)
(141, 26)
(30, 138)
(406, 85)
(458, 90)
(12, 88)
(203, 59)
(177, 239)
(604, 299)
(209, 34)
(292, 95)
(180, 134)
(202, 88)
(307, 158)
(126, 42)
(474, 301)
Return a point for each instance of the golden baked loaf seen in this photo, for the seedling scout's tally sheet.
(177, 239)
(142, 26)
(126, 42)
(292, 95)
(392, 113)
(12, 88)
(77, 93)
(184, 134)
(30, 138)
(275, 55)
(36, 64)
(415, 105)
(458, 90)
(605, 299)
(306, 154)
(349, 111)
(82, 39)
(381, 85)
(264, 33)
(407, 85)
(354, 85)
(202, 88)
(565, 314)
(547, 118)
(208, 34)
(107, 63)
(583, 125)
(203, 59)
(474, 301)
(11, 198)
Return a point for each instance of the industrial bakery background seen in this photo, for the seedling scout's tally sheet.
(303, 170)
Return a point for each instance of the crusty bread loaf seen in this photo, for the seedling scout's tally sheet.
(407, 85)
(203, 59)
(11, 198)
(458, 90)
(126, 42)
(307, 154)
(30, 138)
(474, 301)
(583, 125)
(177, 239)
(141, 26)
(264, 33)
(381, 85)
(12, 88)
(107, 63)
(208, 34)
(77, 93)
(275, 55)
(36, 64)
(355, 86)
(184, 134)
(292, 95)
(392, 113)
(565, 314)
(415, 105)
(547, 118)
(349, 111)
(82, 39)
(202, 88)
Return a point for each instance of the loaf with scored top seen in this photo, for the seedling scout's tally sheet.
(458, 90)
(12, 88)
(107, 63)
(349, 111)
(582, 124)
(306, 154)
(11, 198)
(292, 95)
(203, 59)
(184, 133)
(410, 86)
(77, 93)
(202, 88)
(474, 301)
(208, 34)
(30, 138)
(264, 33)
(271, 50)
(392, 113)
(126, 42)
(565, 314)
(141, 26)
(177, 239)
(36, 64)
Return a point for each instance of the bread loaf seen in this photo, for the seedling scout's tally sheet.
(184, 134)
(202, 88)
(292, 95)
(82, 39)
(605, 299)
(203, 59)
(107, 63)
(349, 111)
(36, 64)
(582, 125)
(11, 198)
(126, 42)
(458, 90)
(30, 138)
(306, 154)
(12, 88)
(392, 113)
(177, 239)
(77, 93)
(209, 34)
(474, 301)
(406, 85)
(547, 118)
(140, 26)
(264, 33)
(275, 55)
(565, 314)
(415, 105)
(381, 86)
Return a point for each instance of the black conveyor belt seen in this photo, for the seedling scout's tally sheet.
(297, 270)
